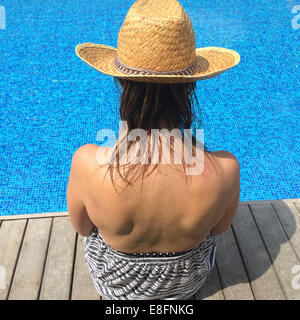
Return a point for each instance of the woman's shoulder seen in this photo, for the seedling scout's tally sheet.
(89, 153)
(227, 160)
(87, 157)
(229, 164)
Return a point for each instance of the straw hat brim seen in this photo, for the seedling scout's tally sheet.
(211, 62)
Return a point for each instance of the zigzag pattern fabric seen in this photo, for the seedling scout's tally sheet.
(123, 276)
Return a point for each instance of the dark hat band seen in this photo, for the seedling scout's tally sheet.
(191, 69)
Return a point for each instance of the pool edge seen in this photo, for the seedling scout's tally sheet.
(65, 213)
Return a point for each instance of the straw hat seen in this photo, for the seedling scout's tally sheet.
(156, 43)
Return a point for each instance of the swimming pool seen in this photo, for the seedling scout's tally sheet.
(52, 103)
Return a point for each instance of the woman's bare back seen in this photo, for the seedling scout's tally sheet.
(170, 214)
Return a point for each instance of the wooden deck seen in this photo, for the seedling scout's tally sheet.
(41, 257)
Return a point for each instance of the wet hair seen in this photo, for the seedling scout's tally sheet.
(154, 106)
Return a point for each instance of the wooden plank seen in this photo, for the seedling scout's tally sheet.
(212, 289)
(232, 272)
(56, 284)
(297, 205)
(35, 215)
(83, 287)
(11, 235)
(263, 279)
(281, 252)
(267, 201)
(192, 297)
(30, 266)
(290, 220)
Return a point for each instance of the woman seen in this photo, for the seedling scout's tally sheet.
(150, 228)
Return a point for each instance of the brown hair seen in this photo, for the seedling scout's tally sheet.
(154, 106)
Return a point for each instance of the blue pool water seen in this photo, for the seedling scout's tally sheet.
(51, 102)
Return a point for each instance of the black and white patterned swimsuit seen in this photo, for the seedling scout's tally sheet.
(151, 276)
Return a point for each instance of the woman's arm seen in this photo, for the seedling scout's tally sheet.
(77, 211)
(231, 169)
